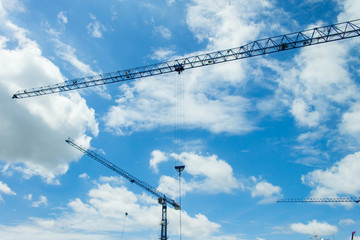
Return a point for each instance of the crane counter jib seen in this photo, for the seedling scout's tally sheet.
(314, 36)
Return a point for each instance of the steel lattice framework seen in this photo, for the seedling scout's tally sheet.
(341, 199)
(122, 172)
(162, 199)
(318, 35)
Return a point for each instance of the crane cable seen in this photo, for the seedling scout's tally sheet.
(179, 137)
(122, 234)
(180, 200)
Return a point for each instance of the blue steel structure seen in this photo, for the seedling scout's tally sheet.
(340, 199)
(318, 35)
(162, 199)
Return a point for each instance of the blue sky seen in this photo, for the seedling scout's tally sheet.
(249, 132)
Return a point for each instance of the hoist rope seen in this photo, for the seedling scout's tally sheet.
(179, 136)
(122, 234)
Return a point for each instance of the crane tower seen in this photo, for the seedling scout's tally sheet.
(163, 200)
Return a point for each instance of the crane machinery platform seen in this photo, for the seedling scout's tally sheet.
(305, 38)
(163, 200)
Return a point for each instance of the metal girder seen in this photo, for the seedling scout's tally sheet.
(161, 196)
(318, 35)
(163, 223)
(341, 199)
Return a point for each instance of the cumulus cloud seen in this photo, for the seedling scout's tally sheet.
(347, 221)
(10, 5)
(101, 215)
(303, 114)
(33, 130)
(349, 122)
(228, 25)
(314, 227)
(84, 176)
(266, 190)
(145, 106)
(162, 54)
(338, 179)
(312, 97)
(5, 190)
(156, 158)
(208, 174)
(350, 9)
(41, 202)
(112, 179)
(208, 96)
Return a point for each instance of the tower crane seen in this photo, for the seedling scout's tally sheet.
(317, 35)
(163, 200)
(341, 199)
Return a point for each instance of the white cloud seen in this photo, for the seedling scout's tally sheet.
(312, 97)
(62, 18)
(10, 5)
(350, 122)
(156, 158)
(103, 213)
(5, 189)
(162, 54)
(208, 95)
(151, 102)
(95, 28)
(208, 174)
(303, 114)
(29, 170)
(68, 54)
(42, 202)
(28, 197)
(164, 32)
(33, 130)
(84, 176)
(228, 25)
(170, 2)
(338, 179)
(347, 221)
(114, 180)
(266, 190)
(351, 9)
(314, 227)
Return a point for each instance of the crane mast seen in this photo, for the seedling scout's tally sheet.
(162, 199)
(318, 35)
(319, 200)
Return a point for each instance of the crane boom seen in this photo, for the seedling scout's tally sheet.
(341, 199)
(123, 173)
(318, 35)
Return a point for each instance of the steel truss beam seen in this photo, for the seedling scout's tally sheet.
(275, 44)
(341, 199)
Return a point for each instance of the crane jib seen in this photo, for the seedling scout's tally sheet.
(318, 35)
(123, 173)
